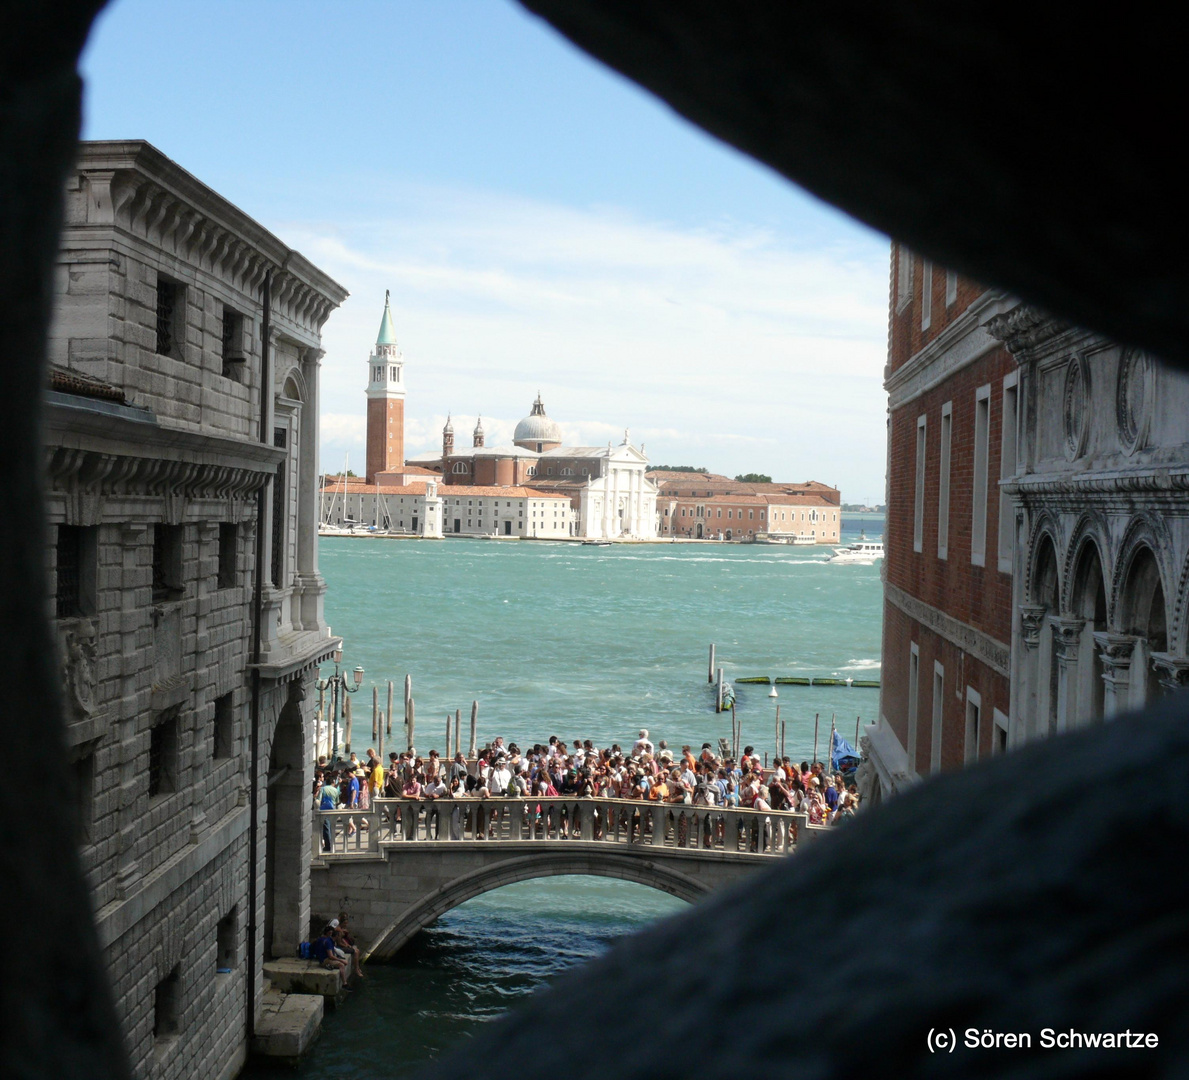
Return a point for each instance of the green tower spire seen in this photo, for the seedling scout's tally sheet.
(387, 334)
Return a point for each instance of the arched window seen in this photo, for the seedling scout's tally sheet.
(1089, 603)
(1142, 611)
(460, 467)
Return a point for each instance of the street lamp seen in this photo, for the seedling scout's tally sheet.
(334, 683)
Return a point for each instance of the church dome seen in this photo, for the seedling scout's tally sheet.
(537, 428)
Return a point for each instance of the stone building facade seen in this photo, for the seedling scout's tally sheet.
(610, 494)
(181, 443)
(1037, 569)
(1101, 500)
(708, 506)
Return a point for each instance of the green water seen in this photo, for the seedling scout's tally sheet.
(579, 642)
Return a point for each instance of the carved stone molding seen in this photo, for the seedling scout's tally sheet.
(982, 647)
(1075, 408)
(1032, 618)
(1134, 395)
(1067, 639)
(77, 644)
(1024, 328)
(1171, 671)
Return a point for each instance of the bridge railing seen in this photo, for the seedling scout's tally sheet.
(537, 820)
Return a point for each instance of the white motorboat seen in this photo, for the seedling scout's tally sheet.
(862, 551)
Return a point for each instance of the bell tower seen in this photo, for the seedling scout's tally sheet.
(385, 402)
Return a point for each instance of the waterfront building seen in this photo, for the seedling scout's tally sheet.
(711, 506)
(1037, 537)
(181, 438)
(609, 492)
(409, 509)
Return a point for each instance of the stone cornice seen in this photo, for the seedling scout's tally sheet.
(303, 652)
(1024, 328)
(1122, 483)
(92, 450)
(984, 648)
(133, 187)
(962, 342)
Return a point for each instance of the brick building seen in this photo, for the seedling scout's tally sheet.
(952, 402)
(181, 439)
(708, 506)
(1037, 570)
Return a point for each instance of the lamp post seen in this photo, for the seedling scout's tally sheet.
(334, 683)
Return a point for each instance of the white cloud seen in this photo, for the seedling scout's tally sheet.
(726, 346)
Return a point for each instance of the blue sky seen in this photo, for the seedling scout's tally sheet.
(542, 224)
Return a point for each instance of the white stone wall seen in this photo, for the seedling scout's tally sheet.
(1101, 491)
(543, 517)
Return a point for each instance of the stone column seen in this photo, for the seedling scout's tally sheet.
(1172, 671)
(1031, 621)
(309, 581)
(1115, 652)
(1067, 643)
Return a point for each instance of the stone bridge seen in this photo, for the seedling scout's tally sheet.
(401, 864)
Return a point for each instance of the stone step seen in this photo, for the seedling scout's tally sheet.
(294, 976)
(287, 1025)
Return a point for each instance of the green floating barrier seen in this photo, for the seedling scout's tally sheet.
(828, 682)
(761, 679)
(794, 680)
(866, 682)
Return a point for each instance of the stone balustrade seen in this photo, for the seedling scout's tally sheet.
(395, 823)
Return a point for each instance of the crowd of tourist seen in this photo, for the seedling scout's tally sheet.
(644, 772)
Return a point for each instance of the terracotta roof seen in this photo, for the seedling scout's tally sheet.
(462, 491)
(417, 470)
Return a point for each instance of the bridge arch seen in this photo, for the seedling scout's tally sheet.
(526, 868)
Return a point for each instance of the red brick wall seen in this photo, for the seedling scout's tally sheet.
(385, 436)
(961, 670)
(906, 336)
(977, 595)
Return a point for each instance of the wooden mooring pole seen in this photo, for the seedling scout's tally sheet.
(458, 731)
(777, 734)
(857, 719)
(347, 722)
(710, 675)
(410, 717)
(815, 720)
(375, 712)
(474, 750)
(718, 697)
(449, 755)
(388, 712)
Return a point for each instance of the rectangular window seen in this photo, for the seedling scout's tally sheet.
(233, 344)
(982, 430)
(914, 689)
(918, 511)
(974, 709)
(279, 504)
(163, 753)
(943, 481)
(227, 551)
(998, 733)
(951, 287)
(225, 934)
(903, 277)
(171, 308)
(166, 1005)
(167, 563)
(82, 771)
(926, 294)
(938, 711)
(1007, 469)
(224, 740)
(76, 558)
